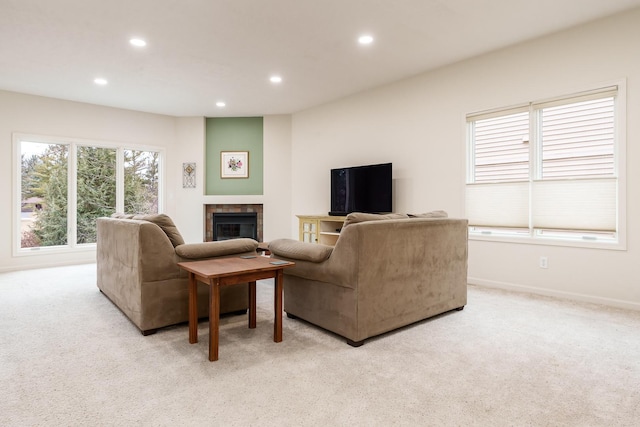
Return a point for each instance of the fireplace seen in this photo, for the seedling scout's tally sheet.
(254, 211)
(233, 225)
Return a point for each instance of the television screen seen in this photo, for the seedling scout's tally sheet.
(361, 189)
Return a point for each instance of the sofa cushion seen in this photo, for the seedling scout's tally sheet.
(166, 224)
(356, 217)
(432, 214)
(294, 249)
(215, 249)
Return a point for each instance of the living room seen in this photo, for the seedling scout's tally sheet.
(418, 123)
(420, 127)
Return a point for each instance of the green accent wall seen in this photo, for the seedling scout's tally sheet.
(234, 134)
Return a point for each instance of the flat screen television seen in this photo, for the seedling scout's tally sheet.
(361, 189)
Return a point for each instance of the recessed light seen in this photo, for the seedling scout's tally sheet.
(220, 104)
(275, 79)
(100, 81)
(365, 39)
(138, 42)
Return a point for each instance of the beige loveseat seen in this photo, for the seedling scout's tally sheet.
(384, 272)
(137, 271)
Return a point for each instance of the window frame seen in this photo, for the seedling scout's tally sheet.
(72, 246)
(532, 235)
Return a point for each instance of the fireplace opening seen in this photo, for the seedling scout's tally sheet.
(234, 225)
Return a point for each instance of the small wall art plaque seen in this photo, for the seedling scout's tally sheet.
(189, 175)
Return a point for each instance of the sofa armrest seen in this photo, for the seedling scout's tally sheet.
(216, 249)
(294, 249)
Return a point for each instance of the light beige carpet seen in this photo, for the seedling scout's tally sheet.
(69, 357)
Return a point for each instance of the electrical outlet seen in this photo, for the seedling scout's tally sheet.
(544, 262)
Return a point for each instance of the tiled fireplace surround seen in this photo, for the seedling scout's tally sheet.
(210, 211)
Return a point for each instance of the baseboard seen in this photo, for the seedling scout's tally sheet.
(610, 302)
(44, 265)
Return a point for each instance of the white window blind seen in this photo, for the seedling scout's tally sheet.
(581, 204)
(504, 204)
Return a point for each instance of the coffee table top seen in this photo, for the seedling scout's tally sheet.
(221, 267)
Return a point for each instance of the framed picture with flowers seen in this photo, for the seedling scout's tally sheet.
(234, 164)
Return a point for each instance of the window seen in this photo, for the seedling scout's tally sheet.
(141, 181)
(64, 185)
(548, 171)
(95, 188)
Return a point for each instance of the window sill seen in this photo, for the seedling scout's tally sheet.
(54, 250)
(527, 240)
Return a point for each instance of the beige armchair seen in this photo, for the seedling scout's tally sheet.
(137, 270)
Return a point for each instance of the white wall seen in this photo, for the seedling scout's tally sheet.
(183, 140)
(277, 177)
(419, 125)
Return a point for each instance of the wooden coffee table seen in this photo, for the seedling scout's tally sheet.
(226, 272)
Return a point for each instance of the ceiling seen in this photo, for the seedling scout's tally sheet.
(202, 51)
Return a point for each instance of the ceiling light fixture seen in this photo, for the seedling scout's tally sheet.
(365, 39)
(138, 42)
(275, 79)
(220, 104)
(100, 81)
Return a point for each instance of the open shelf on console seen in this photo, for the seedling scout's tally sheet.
(323, 229)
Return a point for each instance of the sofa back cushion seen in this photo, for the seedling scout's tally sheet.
(356, 217)
(166, 224)
(432, 214)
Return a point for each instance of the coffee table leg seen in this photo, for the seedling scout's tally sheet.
(214, 319)
(193, 309)
(252, 305)
(277, 298)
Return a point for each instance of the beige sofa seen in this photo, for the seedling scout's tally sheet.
(137, 271)
(385, 272)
